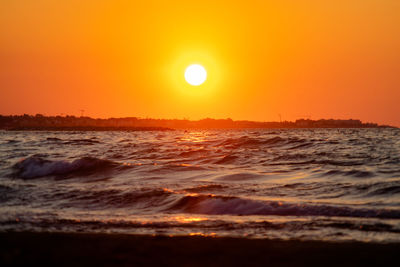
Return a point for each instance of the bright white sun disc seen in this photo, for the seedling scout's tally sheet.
(195, 74)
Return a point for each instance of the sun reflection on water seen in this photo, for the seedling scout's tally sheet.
(203, 234)
(194, 137)
(189, 219)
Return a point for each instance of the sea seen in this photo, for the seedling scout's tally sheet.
(288, 184)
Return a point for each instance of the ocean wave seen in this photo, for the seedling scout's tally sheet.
(114, 198)
(352, 173)
(5, 193)
(303, 145)
(244, 141)
(179, 225)
(35, 167)
(192, 153)
(387, 190)
(229, 159)
(243, 176)
(82, 142)
(346, 162)
(53, 139)
(173, 167)
(223, 205)
(202, 188)
(291, 157)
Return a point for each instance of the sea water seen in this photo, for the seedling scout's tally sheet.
(308, 184)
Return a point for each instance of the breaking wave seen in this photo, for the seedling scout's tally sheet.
(222, 205)
(35, 167)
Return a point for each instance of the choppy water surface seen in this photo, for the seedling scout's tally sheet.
(324, 184)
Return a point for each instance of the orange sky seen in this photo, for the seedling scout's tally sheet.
(309, 58)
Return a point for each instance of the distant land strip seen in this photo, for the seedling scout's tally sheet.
(85, 128)
(71, 123)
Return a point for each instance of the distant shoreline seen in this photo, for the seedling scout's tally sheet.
(71, 123)
(87, 128)
(144, 129)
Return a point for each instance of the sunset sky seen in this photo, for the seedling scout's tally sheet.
(316, 59)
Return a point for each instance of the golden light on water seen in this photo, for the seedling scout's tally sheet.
(203, 234)
(183, 219)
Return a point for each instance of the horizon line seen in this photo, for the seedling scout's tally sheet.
(299, 120)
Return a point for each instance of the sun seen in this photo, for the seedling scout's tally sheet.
(195, 74)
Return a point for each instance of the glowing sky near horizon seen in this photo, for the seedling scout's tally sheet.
(315, 59)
